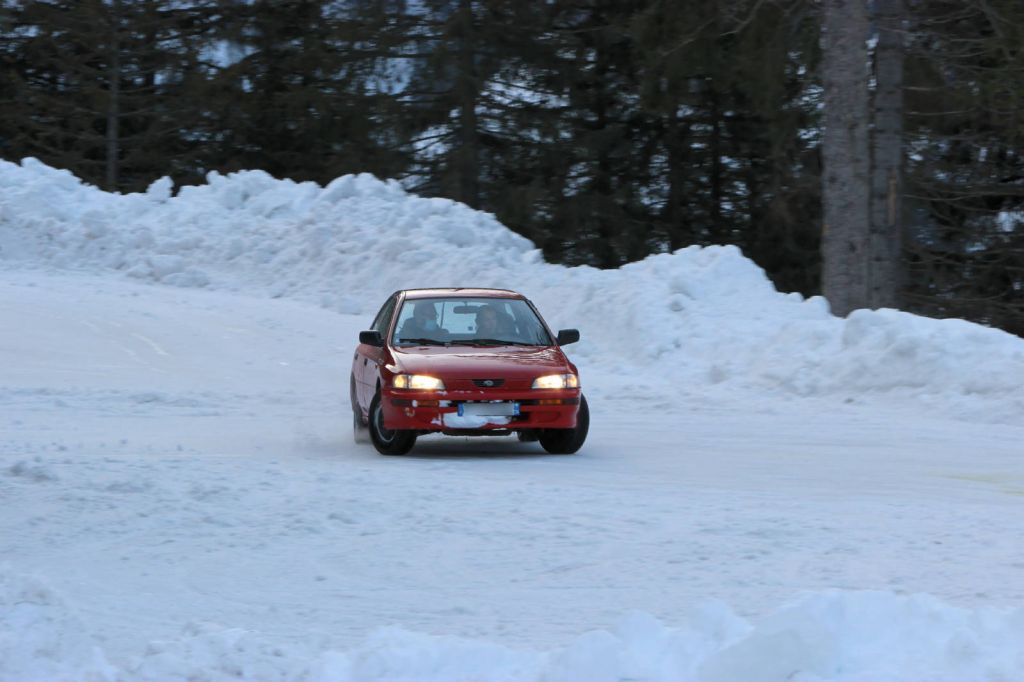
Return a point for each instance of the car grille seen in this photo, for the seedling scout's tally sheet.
(499, 384)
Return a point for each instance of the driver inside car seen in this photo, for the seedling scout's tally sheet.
(491, 324)
(486, 322)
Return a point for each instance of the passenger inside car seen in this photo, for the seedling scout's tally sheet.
(423, 323)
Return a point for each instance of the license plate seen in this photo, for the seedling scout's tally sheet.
(500, 409)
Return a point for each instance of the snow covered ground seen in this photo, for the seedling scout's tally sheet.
(767, 494)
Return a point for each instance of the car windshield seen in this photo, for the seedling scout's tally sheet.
(469, 322)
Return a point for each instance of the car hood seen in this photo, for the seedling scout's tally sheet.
(462, 362)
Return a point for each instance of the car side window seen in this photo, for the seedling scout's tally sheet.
(529, 325)
(380, 323)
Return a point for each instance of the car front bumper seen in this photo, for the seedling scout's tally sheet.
(439, 410)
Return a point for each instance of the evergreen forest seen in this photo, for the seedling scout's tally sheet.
(603, 130)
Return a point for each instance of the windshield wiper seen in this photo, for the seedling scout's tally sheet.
(493, 342)
(424, 342)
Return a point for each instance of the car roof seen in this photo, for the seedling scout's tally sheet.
(460, 291)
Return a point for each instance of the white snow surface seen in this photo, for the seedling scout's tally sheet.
(705, 316)
(768, 493)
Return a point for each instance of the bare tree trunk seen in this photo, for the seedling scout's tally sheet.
(467, 159)
(887, 159)
(715, 217)
(113, 98)
(677, 209)
(845, 155)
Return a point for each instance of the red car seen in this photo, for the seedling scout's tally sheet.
(465, 362)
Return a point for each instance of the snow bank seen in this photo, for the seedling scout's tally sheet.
(41, 638)
(701, 317)
(829, 636)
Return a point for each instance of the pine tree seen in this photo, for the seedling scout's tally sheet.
(97, 86)
(965, 130)
(295, 93)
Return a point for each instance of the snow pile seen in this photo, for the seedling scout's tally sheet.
(830, 636)
(700, 317)
(248, 231)
(41, 639)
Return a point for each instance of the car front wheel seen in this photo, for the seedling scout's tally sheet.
(388, 441)
(567, 441)
(359, 430)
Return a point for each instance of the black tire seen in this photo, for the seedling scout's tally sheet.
(567, 441)
(387, 442)
(360, 433)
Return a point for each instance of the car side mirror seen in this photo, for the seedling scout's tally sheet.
(371, 338)
(567, 336)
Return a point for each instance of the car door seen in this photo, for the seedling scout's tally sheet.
(368, 357)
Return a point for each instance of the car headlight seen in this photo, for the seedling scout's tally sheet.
(418, 382)
(557, 381)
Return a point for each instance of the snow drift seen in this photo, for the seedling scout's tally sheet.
(836, 636)
(701, 316)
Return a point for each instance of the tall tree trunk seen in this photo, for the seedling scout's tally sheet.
(845, 155)
(603, 182)
(467, 154)
(887, 158)
(113, 98)
(677, 212)
(715, 171)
